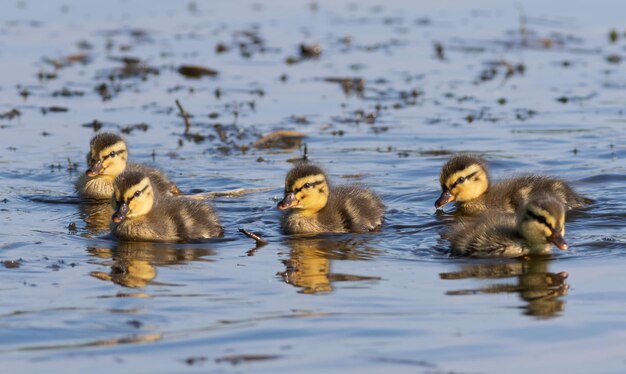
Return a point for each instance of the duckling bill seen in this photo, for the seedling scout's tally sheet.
(311, 205)
(538, 226)
(465, 180)
(142, 213)
(108, 158)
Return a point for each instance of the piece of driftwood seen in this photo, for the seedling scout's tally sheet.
(193, 71)
(228, 193)
(259, 240)
(285, 139)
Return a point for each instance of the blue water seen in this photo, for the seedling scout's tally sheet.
(78, 301)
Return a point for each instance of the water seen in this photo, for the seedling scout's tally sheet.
(75, 300)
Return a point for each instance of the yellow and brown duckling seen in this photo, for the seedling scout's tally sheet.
(465, 180)
(108, 158)
(313, 206)
(142, 213)
(536, 227)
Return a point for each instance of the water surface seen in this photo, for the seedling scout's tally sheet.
(534, 88)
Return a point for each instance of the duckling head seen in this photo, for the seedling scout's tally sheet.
(306, 189)
(107, 156)
(463, 178)
(542, 221)
(133, 196)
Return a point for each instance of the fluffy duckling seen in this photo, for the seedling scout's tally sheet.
(142, 213)
(107, 158)
(465, 180)
(315, 207)
(536, 227)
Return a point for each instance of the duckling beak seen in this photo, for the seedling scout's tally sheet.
(288, 201)
(557, 239)
(120, 213)
(446, 197)
(94, 169)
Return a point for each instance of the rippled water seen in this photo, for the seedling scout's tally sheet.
(535, 88)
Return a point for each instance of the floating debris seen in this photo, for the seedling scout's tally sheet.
(13, 113)
(103, 91)
(194, 360)
(132, 68)
(139, 126)
(192, 71)
(66, 92)
(229, 193)
(258, 239)
(12, 264)
(238, 359)
(68, 60)
(310, 50)
(54, 109)
(95, 125)
(439, 51)
(349, 85)
(614, 59)
(284, 139)
(185, 115)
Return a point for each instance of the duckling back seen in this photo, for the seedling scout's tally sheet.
(172, 219)
(360, 209)
(511, 194)
(491, 235)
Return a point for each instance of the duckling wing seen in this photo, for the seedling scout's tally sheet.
(192, 219)
(361, 209)
(159, 180)
(490, 235)
(510, 194)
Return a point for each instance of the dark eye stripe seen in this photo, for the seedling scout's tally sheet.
(114, 152)
(541, 219)
(310, 185)
(466, 178)
(134, 196)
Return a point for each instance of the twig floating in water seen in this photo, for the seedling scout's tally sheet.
(229, 193)
(185, 116)
(259, 240)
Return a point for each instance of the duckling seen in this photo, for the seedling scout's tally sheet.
(316, 207)
(107, 159)
(465, 179)
(536, 227)
(143, 213)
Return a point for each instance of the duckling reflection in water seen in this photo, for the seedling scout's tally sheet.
(107, 158)
(97, 216)
(465, 180)
(141, 213)
(309, 263)
(313, 206)
(134, 264)
(537, 226)
(539, 288)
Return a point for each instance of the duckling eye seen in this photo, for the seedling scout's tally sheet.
(307, 185)
(137, 193)
(112, 154)
(460, 180)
